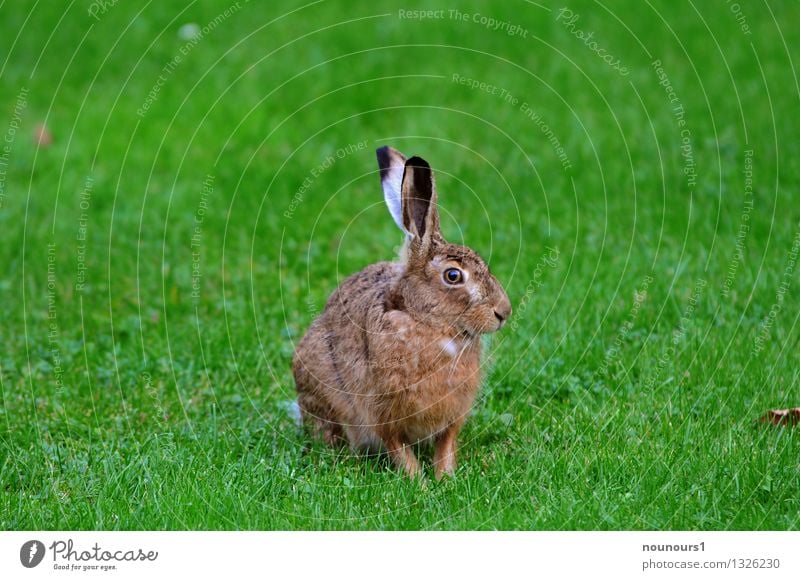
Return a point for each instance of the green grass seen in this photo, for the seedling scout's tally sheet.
(132, 404)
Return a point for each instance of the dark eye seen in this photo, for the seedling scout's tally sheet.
(453, 276)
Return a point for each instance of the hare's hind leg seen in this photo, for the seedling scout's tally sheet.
(363, 439)
(403, 456)
(400, 451)
(318, 417)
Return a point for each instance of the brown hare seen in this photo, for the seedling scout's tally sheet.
(394, 359)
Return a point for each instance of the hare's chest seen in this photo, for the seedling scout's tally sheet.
(440, 359)
(453, 361)
(427, 381)
(442, 397)
(448, 375)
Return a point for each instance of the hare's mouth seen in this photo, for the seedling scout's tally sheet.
(493, 325)
(468, 334)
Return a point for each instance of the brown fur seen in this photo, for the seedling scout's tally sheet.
(394, 359)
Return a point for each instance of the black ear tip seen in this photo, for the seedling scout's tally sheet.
(389, 158)
(417, 162)
(384, 155)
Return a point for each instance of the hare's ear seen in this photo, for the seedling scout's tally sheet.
(420, 214)
(392, 164)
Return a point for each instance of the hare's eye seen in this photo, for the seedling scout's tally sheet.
(453, 276)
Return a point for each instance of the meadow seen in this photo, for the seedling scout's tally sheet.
(182, 185)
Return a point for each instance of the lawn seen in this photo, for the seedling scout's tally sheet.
(181, 188)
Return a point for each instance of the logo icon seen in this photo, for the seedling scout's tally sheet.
(31, 553)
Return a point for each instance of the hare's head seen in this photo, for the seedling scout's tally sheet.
(444, 284)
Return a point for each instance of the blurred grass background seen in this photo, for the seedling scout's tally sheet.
(655, 314)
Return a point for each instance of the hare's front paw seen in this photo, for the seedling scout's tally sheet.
(403, 456)
(444, 457)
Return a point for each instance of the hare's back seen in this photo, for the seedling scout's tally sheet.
(342, 330)
(358, 295)
(331, 362)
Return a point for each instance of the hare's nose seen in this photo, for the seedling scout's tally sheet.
(503, 310)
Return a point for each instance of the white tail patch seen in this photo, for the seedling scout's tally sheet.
(292, 409)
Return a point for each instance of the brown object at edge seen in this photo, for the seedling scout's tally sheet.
(42, 135)
(785, 417)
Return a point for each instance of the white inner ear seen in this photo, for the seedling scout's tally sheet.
(392, 185)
